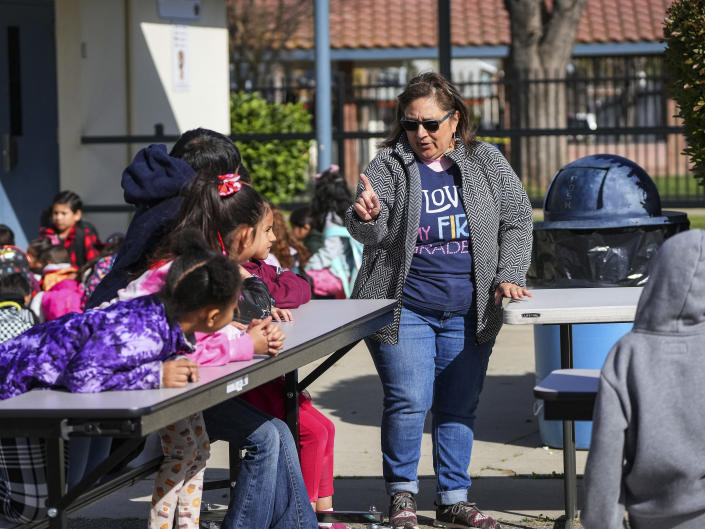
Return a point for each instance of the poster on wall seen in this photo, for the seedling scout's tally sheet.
(180, 58)
(179, 9)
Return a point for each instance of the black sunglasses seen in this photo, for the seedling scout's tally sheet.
(431, 125)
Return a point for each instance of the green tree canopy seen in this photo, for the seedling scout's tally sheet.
(278, 167)
(685, 56)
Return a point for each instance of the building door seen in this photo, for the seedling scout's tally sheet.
(29, 168)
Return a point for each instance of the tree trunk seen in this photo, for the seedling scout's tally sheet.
(542, 44)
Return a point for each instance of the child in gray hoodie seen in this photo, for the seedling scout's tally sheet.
(647, 454)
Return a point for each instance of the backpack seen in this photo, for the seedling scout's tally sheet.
(341, 267)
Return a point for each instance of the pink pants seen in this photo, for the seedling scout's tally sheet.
(316, 436)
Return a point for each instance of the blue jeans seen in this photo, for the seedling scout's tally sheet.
(436, 365)
(86, 453)
(269, 491)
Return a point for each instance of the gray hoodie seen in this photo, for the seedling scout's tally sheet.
(647, 453)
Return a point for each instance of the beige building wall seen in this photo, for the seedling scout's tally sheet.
(119, 74)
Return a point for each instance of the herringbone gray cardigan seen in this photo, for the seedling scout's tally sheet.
(499, 219)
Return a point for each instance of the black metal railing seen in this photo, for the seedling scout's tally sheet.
(539, 121)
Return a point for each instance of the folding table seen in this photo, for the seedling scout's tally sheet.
(320, 327)
(566, 307)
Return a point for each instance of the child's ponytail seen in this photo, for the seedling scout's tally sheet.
(213, 207)
(198, 276)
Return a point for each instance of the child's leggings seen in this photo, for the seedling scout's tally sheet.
(179, 482)
(316, 439)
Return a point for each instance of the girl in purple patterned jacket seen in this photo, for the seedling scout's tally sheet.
(130, 345)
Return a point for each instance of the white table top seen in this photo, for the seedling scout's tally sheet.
(574, 305)
(312, 321)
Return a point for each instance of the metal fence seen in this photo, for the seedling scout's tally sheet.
(540, 122)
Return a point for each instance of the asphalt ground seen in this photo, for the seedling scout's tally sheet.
(516, 479)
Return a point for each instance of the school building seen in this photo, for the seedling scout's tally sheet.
(82, 80)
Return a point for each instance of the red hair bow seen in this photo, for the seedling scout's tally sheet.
(229, 184)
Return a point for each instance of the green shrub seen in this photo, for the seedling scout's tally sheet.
(278, 167)
(685, 56)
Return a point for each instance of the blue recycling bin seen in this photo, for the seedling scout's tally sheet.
(602, 223)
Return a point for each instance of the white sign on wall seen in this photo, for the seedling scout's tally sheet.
(180, 58)
(179, 9)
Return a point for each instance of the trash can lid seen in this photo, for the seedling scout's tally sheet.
(602, 191)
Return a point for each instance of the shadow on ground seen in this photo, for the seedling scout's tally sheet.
(504, 414)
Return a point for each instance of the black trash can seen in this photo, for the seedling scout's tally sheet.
(602, 223)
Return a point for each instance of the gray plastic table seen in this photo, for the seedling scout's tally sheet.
(320, 327)
(569, 394)
(566, 307)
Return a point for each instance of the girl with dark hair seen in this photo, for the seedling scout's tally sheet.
(447, 231)
(154, 183)
(232, 217)
(130, 345)
(302, 229)
(316, 431)
(68, 229)
(334, 266)
(207, 150)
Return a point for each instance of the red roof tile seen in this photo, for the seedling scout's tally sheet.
(413, 23)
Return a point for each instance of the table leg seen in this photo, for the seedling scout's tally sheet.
(291, 403)
(569, 471)
(56, 482)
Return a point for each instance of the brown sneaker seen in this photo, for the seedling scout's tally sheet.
(464, 514)
(402, 511)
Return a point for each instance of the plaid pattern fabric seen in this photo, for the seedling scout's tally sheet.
(23, 487)
(82, 242)
(499, 220)
(14, 320)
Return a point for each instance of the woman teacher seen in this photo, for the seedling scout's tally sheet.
(447, 230)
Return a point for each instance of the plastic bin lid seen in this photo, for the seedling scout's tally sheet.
(603, 191)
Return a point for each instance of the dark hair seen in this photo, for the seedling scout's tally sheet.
(198, 277)
(55, 254)
(14, 287)
(331, 195)
(432, 84)
(37, 246)
(69, 198)
(7, 236)
(207, 150)
(301, 216)
(205, 210)
(285, 241)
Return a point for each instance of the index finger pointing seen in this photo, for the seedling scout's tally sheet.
(366, 183)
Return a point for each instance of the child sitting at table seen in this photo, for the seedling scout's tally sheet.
(229, 213)
(316, 431)
(648, 434)
(130, 345)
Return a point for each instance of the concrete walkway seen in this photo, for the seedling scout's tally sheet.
(515, 478)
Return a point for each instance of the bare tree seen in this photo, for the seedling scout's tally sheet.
(259, 31)
(541, 48)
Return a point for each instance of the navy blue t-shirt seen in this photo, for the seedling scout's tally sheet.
(440, 276)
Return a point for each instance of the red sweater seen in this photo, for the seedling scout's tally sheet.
(288, 290)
